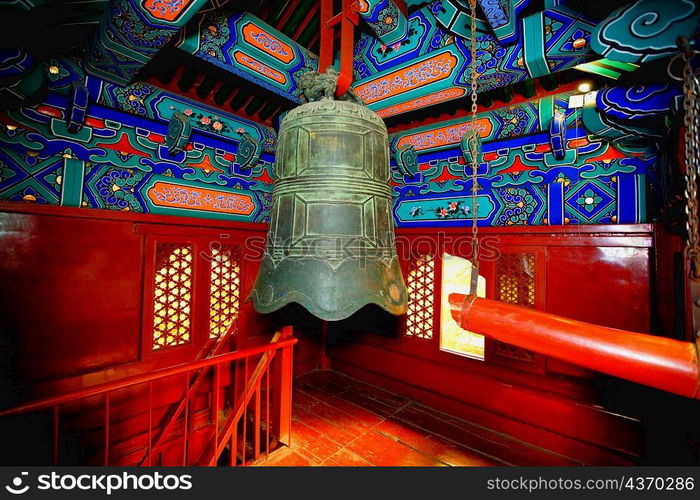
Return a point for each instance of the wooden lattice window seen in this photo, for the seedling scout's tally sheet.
(515, 279)
(172, 295)
(224, 296)
(421, 291)
(515, 284)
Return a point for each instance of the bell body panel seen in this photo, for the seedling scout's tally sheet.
(330, 244)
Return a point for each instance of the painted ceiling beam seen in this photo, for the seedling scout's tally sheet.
(631, 116)
(251, 49)
(132, 32)
(157, 101)
(504, 17)
(537, 166)
(385, 19)
(434, 66)
(646, 30)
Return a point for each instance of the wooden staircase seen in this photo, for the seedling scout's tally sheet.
(188, 414)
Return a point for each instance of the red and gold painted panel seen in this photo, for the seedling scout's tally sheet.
(446, 136)
(166, 10)
(421, 102)
(267, 42)
(430, 70)
(249, 48)
(176, 197)
(259, 67)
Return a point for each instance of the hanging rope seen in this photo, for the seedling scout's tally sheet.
(474, 147)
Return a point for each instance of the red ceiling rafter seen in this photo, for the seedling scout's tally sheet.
(191, 93)
(247, 101)
(313, 40)
(214, 89)
(288, 11)
(267, 9)
(302, 25)
(231, 97)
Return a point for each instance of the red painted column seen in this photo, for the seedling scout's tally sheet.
(663, 363)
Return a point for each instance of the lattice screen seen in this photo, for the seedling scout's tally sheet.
(421, 291)
(172, 295)
(225, 287)
(515, 279)
(515, 283)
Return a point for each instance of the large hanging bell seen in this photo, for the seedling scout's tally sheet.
(330, 244)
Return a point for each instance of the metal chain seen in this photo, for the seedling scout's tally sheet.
(475, 159)
(691, 107)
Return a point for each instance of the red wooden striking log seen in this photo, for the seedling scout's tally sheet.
(663, 363)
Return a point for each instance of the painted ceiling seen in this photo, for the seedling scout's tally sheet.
(187, 94)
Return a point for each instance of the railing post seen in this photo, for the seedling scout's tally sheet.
(284, 394)
(256, 424)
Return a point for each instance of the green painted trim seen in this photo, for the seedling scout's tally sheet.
(624, 66)
(597, 69)
(533, 46)
(59, 129)
(546, 112)
(72, 182)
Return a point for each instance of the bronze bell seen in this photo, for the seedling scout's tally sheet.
(330, 244)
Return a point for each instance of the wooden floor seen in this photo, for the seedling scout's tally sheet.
(340, 421)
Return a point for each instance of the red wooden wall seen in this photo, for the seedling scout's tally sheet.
(599, 274)
(76, 289)
(73, 285)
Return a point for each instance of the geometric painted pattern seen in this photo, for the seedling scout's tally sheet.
(113, 188)
(146, 101)
(172, 296)
(27, 178)
(591, 201)
(515, 279)
(120, 162)
(224, 290)
(433, 63)
(520, 180)
(421, 291)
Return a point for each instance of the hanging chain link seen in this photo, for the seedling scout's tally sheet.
(691, 107)
(475, 158)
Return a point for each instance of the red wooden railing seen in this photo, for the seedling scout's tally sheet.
(212, 348)
(268, 381)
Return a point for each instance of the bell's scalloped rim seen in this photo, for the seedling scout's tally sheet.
(335, 315)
